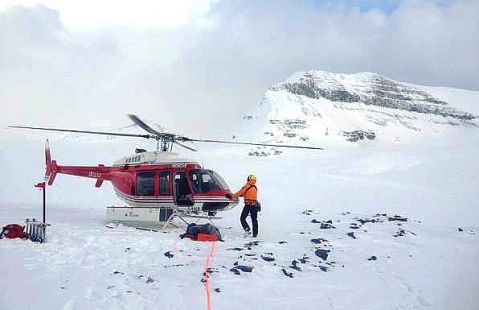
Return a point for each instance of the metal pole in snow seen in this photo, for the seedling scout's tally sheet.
(44, 204)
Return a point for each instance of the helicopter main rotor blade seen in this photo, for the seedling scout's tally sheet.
(186, 147)
(258, 144)
(86, 131)
(147, 128)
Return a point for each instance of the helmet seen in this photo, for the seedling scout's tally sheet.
(251, 177)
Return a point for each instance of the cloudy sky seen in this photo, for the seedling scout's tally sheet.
(196, 66)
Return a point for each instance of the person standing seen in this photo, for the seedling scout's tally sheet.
(249, 192)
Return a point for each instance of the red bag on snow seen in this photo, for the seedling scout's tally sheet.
(206, 237)
(13, 231)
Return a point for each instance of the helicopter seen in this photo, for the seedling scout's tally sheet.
(156, 186)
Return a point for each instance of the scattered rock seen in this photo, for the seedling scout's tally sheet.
(109, 287)
(251, 244)
(217, 290)
(351, 234)
(323, 268)
(318, 240)
(307, 212)
(268, 258)
(243, 268)
(373, 258)
(364, 221)
(323, 254)
(354, 226)
(127, 249)
(118, 272)
(211, 270)
(282, 242)
(150, 280)
(294, 265)
(354, 136)
(460, 229)
(327, 226)
(168, 254)
(397, 218)
(235, 249)
(315, 221)
(400, 233)
(288, 274)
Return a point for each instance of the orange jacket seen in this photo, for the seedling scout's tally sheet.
(249, 192)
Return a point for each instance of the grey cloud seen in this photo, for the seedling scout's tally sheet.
(202, 79)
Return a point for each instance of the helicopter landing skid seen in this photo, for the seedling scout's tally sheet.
(159, 217)
(188, 212)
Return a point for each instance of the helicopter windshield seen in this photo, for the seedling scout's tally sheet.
(205, 181)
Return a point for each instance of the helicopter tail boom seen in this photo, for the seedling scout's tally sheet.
(100, 172)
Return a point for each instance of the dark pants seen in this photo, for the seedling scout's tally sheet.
(254, 218)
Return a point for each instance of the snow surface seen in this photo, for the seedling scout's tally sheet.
(343, 202)
(86, 265)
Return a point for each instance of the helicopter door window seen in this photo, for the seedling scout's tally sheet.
(145, 184)
(164, 183)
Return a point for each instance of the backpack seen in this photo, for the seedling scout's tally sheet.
(205, 232)
(13, 231)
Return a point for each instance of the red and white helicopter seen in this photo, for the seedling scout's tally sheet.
(155, 186)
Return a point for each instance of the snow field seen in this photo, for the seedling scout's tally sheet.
(429, 265)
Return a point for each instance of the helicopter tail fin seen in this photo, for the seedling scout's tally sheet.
(51, 165)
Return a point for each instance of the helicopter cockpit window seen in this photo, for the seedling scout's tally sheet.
(164, 183)
(145, 184)
(205, 181)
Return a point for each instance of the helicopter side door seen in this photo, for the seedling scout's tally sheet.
(182, 191)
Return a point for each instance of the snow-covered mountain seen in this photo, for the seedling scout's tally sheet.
(320, 107)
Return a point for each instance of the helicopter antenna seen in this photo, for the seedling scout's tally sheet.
(165, 140)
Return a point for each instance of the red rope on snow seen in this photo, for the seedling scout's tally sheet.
(207, 275)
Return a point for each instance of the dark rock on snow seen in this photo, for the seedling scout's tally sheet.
(294, 265)
(243, 268)
(397, 218)
(288, 274)
(268, 258)
(323, 254)
(354, 226)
